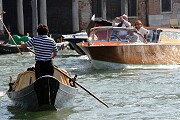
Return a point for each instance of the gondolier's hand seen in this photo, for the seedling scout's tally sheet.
(3, 12)
(21, 42)
(23, 45)
(54, 55)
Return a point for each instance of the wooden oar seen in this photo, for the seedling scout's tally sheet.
(9, 32)
(77, 83)
(82, 87)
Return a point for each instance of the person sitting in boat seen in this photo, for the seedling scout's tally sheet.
(121, 21)
(132, 37)
(45, 50)
(139, 26)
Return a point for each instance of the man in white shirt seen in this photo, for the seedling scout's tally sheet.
(122, 21)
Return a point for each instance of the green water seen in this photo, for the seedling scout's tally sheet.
(137, 93)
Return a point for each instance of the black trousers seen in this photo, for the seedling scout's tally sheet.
(44, 68)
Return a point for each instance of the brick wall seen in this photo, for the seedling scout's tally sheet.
(156, 18)
(141, 13)
(154, 7)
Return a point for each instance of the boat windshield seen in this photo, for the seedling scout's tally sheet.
(153, 36)
(115, 34)
(163, 36)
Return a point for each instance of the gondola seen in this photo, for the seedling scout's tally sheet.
(46, 92)
(9, 49)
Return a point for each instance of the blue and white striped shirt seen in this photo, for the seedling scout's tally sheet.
(44, 46)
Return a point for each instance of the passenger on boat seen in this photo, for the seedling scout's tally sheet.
(122, 21)
(139, 26)
(132, 37)
(45, 50)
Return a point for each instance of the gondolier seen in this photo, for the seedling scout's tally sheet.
(45, 50)
(48, 85)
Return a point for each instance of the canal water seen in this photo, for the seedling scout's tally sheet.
(133, 93)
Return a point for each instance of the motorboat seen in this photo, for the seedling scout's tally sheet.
(117, 47)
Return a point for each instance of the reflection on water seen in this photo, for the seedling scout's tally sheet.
(2, 94)
(40, 115)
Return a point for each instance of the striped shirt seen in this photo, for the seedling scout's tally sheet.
(44, 46)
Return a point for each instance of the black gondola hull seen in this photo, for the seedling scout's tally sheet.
(45, 91)
(9, 49)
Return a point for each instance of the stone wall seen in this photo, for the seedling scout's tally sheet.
(85, 13)
(157, 18)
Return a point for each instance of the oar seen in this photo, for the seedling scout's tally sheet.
(77, 83)
(9, 32)
(82, 87)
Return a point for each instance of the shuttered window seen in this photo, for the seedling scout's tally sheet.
(113, 9)
(96, 8)
(132, 8)
(166, 5)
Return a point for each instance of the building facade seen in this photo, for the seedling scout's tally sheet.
(161, 11)
(63, 17)
(23, 16)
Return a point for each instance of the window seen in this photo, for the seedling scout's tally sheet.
(166, 5)
(96, 8)
(132, 7)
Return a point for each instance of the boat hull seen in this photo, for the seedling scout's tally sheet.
(74, 41)
(9, 49)
(123, 53)
(45, 91)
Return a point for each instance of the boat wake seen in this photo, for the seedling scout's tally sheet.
(107, 65)
(2, 94)
(152, 67)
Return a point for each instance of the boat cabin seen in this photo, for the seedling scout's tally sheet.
(130, 35)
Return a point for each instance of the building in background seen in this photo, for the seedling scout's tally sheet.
(161, 11)
(69, 16)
